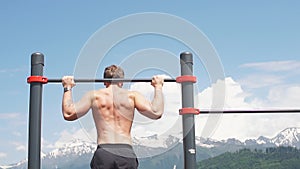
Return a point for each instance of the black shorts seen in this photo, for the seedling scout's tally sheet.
(114, 156)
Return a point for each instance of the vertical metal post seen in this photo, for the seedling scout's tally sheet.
(35, 113)
(188, 122)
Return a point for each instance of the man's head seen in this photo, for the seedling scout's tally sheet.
(111, 72)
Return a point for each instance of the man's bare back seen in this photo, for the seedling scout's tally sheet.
(113, 112)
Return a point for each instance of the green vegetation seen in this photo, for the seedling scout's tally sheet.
(271, 158)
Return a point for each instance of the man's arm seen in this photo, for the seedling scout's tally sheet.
(72, 111)
(154, 109)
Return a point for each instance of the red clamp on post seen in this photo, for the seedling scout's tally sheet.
(186, 78)
(40, 79)
(189, 110)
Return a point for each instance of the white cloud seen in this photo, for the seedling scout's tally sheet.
(269, 74)
(261, 80)
(170, 120)
(3, 155)
(274, 66)
(6, 116)
(19, 146)
(16, 133)
(14, 121)
(223, 94)
(12, 72)
(46, 145)
(245, 126)
(285, 96)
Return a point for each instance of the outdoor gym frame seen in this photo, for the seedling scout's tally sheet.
(187, 80)
(37, 80)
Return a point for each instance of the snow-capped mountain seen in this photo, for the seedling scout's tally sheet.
(68, 152)
(263, 140)
(78, 153)
(288, 137)
(76, 147)
(156, 141)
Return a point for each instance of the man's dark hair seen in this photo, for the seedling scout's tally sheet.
(113, 71)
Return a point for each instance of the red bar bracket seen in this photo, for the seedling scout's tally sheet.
(189, 110)
(40, 79)
(186, 78)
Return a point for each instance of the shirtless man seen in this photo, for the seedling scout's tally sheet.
(113, 113)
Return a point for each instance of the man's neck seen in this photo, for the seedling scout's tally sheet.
(120, 85)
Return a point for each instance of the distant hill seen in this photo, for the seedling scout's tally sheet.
(270, 158)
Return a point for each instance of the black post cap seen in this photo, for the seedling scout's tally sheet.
(37, 58)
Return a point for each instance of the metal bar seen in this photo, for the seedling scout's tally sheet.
(107, 80)
(266, 111)
(188, 121)
(35, 112)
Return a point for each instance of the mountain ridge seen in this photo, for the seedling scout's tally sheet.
(155, 145)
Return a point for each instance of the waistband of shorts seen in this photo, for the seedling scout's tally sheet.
(114, 145)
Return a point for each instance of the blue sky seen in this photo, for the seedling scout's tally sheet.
(257, 43)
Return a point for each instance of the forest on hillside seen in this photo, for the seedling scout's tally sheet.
(270, 158)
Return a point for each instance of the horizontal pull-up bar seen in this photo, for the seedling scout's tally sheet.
(108, 80)
(250, 111)
(44, 80)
